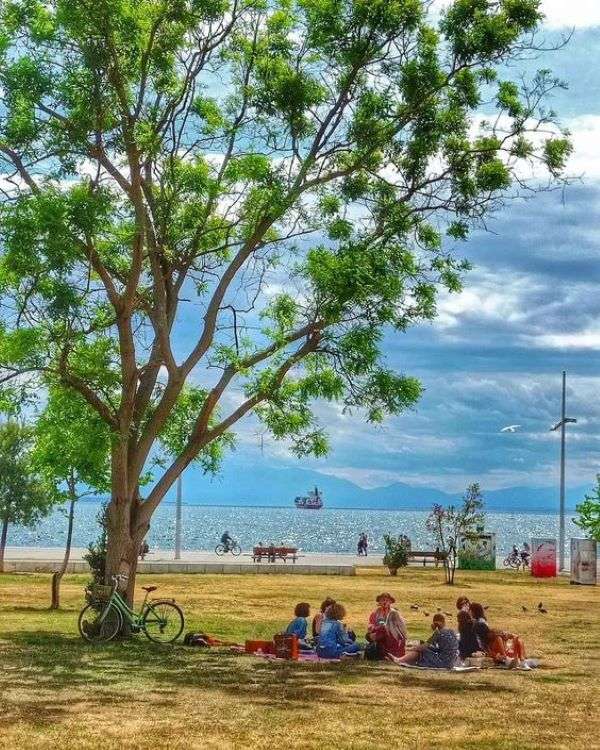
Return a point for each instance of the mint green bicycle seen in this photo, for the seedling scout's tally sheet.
(161, 620)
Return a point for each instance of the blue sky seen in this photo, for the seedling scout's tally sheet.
(494, 356)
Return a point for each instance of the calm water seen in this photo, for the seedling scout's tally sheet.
(328, 530)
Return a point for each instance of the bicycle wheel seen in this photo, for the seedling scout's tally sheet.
(220, 549)
(236, 550)
(163, 622)
(97, 627)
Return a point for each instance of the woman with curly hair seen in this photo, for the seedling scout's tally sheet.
(299, 625)
(334, 641)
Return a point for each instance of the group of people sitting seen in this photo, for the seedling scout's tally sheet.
(386, 636)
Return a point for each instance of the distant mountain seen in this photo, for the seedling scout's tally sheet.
(272, 486)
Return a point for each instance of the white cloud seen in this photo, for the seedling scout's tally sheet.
(586, 339)
(365, 478)
(486, 298)
(577, 13)
(585, 136)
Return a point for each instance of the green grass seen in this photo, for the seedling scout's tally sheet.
(56, 690)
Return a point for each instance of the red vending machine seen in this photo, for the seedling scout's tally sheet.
(543, 558)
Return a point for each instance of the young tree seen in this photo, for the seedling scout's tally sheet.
(72, 451)
(246, 194)
(24, 497)
(589, 513)
(449, 524)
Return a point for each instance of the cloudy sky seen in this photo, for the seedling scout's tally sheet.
(494, 356)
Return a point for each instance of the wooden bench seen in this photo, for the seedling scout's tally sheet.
(427, 556)
(273, 553)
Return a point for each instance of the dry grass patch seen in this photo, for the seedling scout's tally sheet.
(57, 690)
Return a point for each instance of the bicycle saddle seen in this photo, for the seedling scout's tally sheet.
(149, 589)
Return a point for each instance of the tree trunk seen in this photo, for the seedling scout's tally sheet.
(57, 576)
(127, 529)
(3, 541)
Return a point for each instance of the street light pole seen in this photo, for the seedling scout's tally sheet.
(561, 526)
(178, 520)
(564, 421)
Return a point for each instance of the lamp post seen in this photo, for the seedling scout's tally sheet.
(564, 421)
(178, 519)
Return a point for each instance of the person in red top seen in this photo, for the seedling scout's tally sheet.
(387, 628)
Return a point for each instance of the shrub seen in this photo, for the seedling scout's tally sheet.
(396, 552)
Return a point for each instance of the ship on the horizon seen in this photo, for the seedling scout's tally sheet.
(312, 501)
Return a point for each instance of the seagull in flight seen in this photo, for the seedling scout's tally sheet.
(511, 428)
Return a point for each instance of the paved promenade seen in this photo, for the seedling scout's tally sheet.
(47, 559)
(42, 559)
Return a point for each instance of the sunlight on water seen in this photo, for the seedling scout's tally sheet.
(328, 530)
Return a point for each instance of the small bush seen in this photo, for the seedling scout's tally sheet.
(396, 552)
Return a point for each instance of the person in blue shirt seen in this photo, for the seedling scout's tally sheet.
(299, 625)
(334, 641)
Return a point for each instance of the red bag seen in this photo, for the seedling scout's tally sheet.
(265, 646)
(286, 646)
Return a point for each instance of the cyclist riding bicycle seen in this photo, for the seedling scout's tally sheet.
(227, 541)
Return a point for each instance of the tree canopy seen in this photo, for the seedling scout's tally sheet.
(72, 445)
(588, 511)
(241, 197)
(24, 496)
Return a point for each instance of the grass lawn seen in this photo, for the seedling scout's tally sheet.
(57, 691)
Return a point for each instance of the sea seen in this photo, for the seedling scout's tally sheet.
(327, 530)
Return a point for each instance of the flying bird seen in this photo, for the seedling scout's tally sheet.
(542, 609)
(511, 428)
(415, 607)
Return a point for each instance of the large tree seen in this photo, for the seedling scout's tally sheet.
(245, 194)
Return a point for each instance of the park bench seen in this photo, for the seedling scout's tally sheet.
(426, 556)
(273, 553)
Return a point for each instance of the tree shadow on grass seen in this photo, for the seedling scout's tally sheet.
(44, 610)
(149, 673)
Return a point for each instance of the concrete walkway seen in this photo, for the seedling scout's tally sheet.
(47, 559)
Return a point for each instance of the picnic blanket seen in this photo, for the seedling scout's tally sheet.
(524, 668)
(440, 669)
(309, 657)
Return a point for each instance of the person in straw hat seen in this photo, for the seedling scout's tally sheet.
(387, 628)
